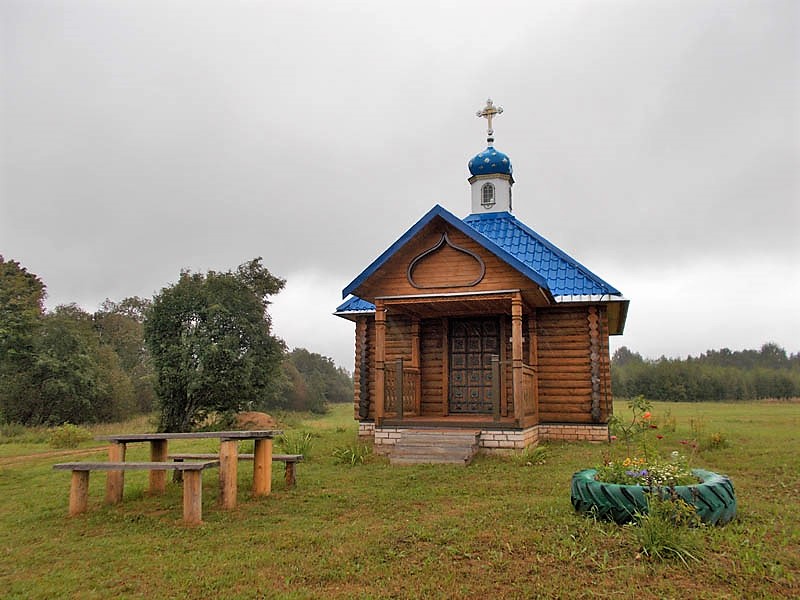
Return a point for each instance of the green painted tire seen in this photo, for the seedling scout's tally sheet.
(713, 498)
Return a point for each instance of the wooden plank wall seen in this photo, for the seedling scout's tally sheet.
(431, 342)
(565, 369)
(445, 270)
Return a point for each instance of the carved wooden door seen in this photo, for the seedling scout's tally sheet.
(472, 343)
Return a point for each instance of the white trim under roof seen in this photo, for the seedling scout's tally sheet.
(589, 298)
(448, 295)
(354, 312)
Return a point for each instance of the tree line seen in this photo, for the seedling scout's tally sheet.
(202, 345)
(715, 375)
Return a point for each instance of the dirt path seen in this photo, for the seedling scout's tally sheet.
(12, 460)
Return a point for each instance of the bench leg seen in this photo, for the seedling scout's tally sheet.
(193, 497)
(262, 467)
(78, 493)
(290, 481)
(158, 479)
(115, 480)
(177, 476)
(228, 472)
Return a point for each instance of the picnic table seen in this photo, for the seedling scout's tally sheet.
(228, 460)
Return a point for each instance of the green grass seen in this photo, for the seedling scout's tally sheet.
(502, 527)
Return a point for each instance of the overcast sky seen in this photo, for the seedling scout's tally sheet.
(657, 142)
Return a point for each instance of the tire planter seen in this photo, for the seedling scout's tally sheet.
(713, 498)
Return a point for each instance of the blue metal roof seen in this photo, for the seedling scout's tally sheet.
(490, 162)
(355, 304)
(511, 241)
(565, 276)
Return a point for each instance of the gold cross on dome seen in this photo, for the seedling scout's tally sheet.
(489, 112)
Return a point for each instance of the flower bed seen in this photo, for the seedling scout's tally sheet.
(621, 489)
(713, 497)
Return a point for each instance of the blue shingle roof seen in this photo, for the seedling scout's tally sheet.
(510, 240)
(355, 304)
(564, 275)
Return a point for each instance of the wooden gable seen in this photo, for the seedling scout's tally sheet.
(440, 259)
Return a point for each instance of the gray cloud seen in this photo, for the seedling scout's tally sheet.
(138, 138)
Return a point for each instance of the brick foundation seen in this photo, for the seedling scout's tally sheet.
(573, 433)
(502, 440)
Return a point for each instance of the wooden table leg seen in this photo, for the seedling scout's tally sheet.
(158, 479)
(262, 467)
(115, 480)
(193, 497)
(228, 472)
(78, 493)
(289, 475)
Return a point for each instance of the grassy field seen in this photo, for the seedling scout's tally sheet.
(499, 528)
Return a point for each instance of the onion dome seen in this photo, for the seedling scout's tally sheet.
(490, 162)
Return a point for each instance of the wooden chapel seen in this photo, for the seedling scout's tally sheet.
(481, 326)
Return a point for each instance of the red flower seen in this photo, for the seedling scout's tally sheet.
(646, 415)
(660, 437)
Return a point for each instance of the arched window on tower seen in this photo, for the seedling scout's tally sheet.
(487, 195)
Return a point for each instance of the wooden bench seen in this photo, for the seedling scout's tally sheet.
(289, 460)
(192, 483)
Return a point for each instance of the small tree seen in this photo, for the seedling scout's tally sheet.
(211, 345)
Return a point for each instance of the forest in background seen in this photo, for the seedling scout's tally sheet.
(70, 365)
(214, 348)
(716, 375)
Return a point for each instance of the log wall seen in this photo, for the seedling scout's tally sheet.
(432, 342)
(567, 339)
(570, 352)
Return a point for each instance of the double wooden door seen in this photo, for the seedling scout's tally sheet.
(473, 341)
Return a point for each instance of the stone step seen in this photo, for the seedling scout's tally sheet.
(432, 450)
(428, 460)
(435, 446)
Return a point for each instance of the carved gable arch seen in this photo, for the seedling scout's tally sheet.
(445, 265)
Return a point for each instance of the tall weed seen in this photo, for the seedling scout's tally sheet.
(668, 530)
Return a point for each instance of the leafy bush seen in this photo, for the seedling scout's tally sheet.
(296, 442)
(532, 455)
(353, 454)
(68, 436)
(12, 430)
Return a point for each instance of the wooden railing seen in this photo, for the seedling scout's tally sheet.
(401, 381)
(527, 396)
(528, 390)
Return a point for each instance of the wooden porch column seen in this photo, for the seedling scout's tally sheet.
(380, 358)
(516, 356)
(533, 359)
(415, 365)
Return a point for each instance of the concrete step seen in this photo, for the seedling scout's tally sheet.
(435, 446)
(428, 460)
